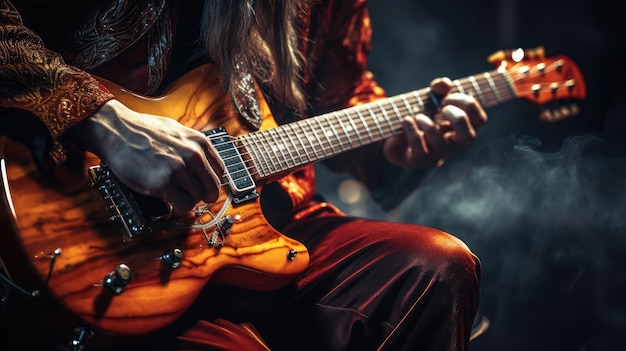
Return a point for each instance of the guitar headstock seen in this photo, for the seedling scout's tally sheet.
(543, 80)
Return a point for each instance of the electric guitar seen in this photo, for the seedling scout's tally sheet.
(95, 255)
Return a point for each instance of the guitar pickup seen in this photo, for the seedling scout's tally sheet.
(240, 180)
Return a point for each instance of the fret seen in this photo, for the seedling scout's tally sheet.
(306, 143)
(266, 144)
(493, 87)
(420, 102)
(409, 108)
(396, 110)
(319, 142)
(356, 130)
(364, 123)
(480, 96)
(325, 133)
(306, 134)
(335, 134)
(375, 119)
(261, 164)
(277, 150)
(384, 112)
(264, 168)
(345, 130)
(291, 147)
(297, 135)
(284, 148)
(459, 87)
(242, 144)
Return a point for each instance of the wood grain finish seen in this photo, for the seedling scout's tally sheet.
(63, 211)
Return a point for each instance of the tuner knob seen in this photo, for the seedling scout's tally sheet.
(117, 280)
(172, 258)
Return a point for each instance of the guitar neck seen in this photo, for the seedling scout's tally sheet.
(310, 140)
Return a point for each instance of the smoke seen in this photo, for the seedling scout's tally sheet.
(503, 182)
(548, 226)
(545, 208)
(550, 229)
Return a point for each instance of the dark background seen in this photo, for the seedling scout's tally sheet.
(542, 204)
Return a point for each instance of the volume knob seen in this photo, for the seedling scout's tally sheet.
(117, 280)
(172, 258)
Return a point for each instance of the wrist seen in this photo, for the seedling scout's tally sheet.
(91, 133)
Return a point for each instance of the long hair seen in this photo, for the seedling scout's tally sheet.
(260, 37)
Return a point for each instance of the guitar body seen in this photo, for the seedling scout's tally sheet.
(63, 211)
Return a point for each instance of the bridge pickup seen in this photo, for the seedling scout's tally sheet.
(239, 178)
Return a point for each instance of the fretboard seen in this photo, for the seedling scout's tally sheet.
(310, 140)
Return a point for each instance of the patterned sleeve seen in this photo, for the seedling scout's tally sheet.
(37, 80)
(340, 79)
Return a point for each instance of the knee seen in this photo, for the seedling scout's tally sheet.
(443, 256)
(453, 261)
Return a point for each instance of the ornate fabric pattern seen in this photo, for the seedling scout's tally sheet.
(111, 28)
(159, 47)
(37, 80)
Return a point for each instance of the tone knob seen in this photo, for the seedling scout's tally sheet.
(117, 280)
(172, 258)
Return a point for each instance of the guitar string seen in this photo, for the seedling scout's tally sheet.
(339, 122)
(504, 91)
(336, 123)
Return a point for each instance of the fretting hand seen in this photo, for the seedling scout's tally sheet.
(426, 140)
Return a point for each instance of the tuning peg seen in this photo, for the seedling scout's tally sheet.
(551, 115)
(516, 55)
(574, 108)
(546, 116)
(559, 113)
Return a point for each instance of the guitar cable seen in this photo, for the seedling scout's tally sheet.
(4, 275)
(11, 284)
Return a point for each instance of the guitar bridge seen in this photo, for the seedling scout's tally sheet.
(136, 212)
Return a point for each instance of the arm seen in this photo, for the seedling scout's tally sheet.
(153, 155)
(392, 168)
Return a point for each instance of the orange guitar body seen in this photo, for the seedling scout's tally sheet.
(64, 212)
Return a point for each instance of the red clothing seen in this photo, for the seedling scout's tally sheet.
(370, 284)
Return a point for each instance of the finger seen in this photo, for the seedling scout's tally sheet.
(441, 86)
(180, 200)
(416, 144)
(188, 180)
(462, 131)
(432, 135)
(470, 105)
